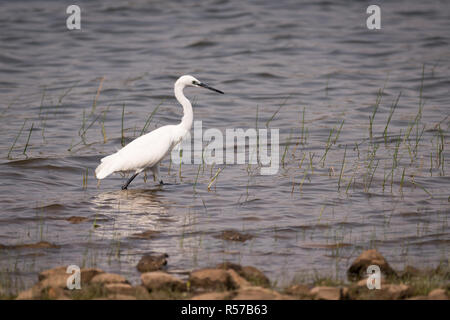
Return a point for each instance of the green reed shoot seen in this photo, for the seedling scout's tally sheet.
(303, 137)
(311, 157)
(196, 178)
(431, 163)
(391, 113)
(170, 164)
(375, 109)
(301, 161)
(85, 178)
(338, 132)
(215, 178)
(397, 146)
(327, 147)
(303, 179)
(371, 177)
(352, 178)
(28, 139)
(94, 103)
(65, 93)
(356, 148)
(402, 180)
(276, 112)
(83, 133)
(83, 123)
(288, 141)
(342, 168)
(15, 140)
(418, 137)
(150, 117)
(105, 139)
(42, 101)
(421, 187)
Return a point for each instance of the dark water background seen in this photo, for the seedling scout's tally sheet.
(316, 56)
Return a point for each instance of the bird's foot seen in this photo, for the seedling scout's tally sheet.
(161, 182)
(124, 188)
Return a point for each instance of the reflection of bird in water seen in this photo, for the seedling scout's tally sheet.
(143, 208)
(149, 150)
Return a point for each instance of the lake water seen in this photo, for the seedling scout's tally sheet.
(305, 68)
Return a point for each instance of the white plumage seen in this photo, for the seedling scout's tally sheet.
(149, 150)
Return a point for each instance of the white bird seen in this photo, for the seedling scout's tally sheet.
(149, 150)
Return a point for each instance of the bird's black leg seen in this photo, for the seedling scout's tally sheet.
(125, 186)
(161, 182)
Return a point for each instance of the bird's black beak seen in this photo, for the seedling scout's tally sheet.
(201, 84)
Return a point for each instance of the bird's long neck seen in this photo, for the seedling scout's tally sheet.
(188, 115)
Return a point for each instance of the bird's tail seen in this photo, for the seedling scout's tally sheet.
(106, 167)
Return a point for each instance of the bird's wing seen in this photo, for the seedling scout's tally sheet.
(145, 151)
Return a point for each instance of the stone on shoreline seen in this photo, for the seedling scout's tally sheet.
(230, 281)
(397, 291)
(326, 293)
(125, 289)
(120, 297)
(255, 276)
(249, 273)
(26, 295)
(358, 269)
(55, 281)
(119, 288)
(86, 273)
(437, 294)
(158, 280)
(223, 295)
(107, 278)
(238, 281)
(298, 290)
(387, 291)
(211, 279)
(260, 293)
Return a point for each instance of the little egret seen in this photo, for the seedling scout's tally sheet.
(149, 150)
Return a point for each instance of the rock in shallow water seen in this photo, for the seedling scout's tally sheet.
(232, 235)
(149, 234)
(150, 263)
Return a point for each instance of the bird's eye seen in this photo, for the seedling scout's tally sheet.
(194, 82)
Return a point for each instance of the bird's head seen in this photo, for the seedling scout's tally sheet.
(190, 81)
